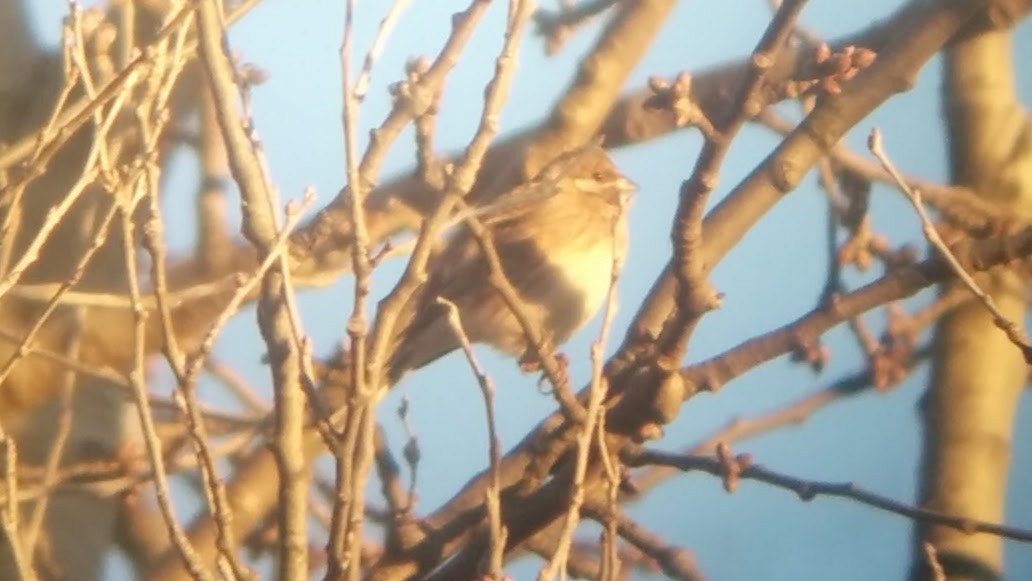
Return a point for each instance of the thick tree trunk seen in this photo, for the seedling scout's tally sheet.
(968, 413)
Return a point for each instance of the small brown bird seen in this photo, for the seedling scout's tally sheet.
(555, 241)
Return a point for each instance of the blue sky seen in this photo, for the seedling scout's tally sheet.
(773, 276)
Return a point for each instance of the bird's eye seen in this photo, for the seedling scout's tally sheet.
(599, 176)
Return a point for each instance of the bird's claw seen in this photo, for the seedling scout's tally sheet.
(530, 363)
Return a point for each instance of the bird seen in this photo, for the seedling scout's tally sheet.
(556, 237)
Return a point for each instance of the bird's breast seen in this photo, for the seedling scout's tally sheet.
(587, 272)
(584, 276)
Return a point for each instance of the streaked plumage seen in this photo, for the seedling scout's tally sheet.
(554, 237)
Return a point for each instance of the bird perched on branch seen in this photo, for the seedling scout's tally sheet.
(555, 236)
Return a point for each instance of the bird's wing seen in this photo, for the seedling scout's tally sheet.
(553, 302)
(458, 275)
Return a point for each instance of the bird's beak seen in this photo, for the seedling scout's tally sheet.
(624, 185)
(617, 185)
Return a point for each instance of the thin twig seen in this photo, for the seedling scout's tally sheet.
(186, 395)
(54, 216)
(557, 26)
(499, 280)
(9, 509)
(412, 99)
(77, 114)
(201, 355)
(677, 562)
(137, 378)
(595, 412)
(932, 558)
(411, 451)
(355, 450)
(101, 373)
(42, 293)
(383, 32)
(793, 413)
(492, 500)
(460, 180)
(610, 530)
(1012, 329)
(46, 133)
(980, 255)
(24, 348)
(259, 206)
(343, 547)
(809, 489)
(238, 385)
(64, 430)
(696, 296)
(398, 501)
(956, 203)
